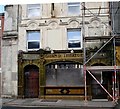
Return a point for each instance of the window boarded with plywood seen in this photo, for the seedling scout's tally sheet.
(54, 39)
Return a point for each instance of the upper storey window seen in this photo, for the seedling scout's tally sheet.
(74, 8)
(34, 10)
(74, 38)
(33, 40)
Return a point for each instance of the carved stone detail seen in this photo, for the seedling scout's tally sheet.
(74, 24)
(118, 55)
(53, 24)
(32, 25)
(41, 60)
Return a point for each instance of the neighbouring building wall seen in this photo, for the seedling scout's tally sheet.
(9, 51)
(1, 33)
(115, 15)
(9, 73)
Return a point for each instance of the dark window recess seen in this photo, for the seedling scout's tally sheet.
(73, 45)
(33, 45)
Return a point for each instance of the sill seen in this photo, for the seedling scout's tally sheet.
(32, 49)
(75, 48)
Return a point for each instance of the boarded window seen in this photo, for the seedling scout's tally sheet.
(54, 39)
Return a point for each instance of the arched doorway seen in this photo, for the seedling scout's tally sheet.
(31, 81)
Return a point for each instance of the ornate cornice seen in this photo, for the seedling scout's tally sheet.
(10, 34)
(118, 55)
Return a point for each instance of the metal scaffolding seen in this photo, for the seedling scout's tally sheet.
(85, 68)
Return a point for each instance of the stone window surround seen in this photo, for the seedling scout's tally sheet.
(73, 5)
(31, 40)
(33, 7)
(75, 29)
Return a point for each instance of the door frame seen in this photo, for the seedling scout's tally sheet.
(106, 83)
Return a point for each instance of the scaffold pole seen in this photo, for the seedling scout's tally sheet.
(115, 75)
(84, 48)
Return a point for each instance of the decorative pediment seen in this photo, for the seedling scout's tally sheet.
(32, 24)
(73, 20)
(74, 23)
(95, 22)
(96, 28)
(53, 24)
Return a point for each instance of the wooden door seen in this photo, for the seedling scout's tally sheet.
(32, 83)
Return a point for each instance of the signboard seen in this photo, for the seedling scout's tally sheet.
(64, 55)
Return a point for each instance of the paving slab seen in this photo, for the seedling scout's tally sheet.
(59, 103)
(7, 100)
(0, 103)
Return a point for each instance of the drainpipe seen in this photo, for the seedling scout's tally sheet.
(84, 50)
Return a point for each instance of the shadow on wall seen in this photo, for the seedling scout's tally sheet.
(117, 106)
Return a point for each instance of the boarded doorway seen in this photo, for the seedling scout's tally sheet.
(105, 78)
(31, 81)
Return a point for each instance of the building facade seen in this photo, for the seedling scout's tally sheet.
(1, 33)
(51, 51)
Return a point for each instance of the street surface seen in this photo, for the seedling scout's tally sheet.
(55, 104)
(11, 107)
(6, 107)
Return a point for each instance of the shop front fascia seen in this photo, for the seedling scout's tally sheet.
(41, 60)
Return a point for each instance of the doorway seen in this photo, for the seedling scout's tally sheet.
(31, 81)
(105, 78)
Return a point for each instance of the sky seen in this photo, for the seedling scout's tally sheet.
(3, 2)
(1, 8)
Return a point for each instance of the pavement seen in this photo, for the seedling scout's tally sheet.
(56, 103)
